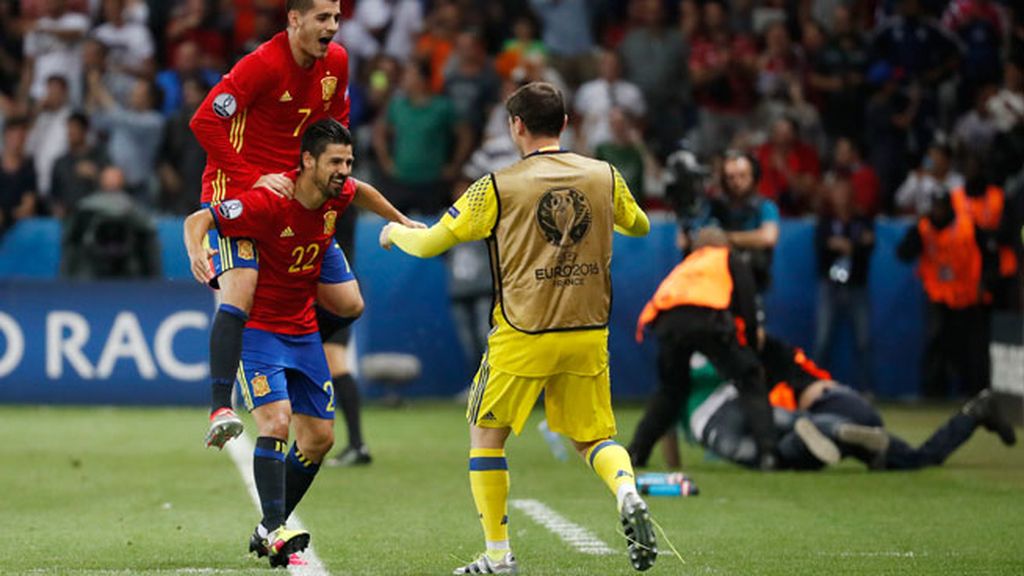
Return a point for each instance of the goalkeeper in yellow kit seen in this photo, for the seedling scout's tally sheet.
(548, 221)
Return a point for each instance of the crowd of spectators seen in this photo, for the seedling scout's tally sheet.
(847, 110)
(891, 95)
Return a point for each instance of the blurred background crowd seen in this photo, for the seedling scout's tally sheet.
(892, 98)
(843, 111)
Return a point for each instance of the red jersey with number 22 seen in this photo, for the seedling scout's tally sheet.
(251, 123)
(292, 241)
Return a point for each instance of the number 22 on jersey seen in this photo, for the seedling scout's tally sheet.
(304, 258)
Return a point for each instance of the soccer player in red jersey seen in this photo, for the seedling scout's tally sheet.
(250, 126)
(283, 373)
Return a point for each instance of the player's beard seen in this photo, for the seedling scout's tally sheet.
(333, 186)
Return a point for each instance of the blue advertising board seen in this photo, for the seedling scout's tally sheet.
(104, 342)
(146, 342)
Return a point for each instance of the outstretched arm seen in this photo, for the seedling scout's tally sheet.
(368, 197)
(472, 217)
(421, 243)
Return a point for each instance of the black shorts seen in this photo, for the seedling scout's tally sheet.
(329, 330)
(345, 234)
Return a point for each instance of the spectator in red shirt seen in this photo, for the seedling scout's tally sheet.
(723, 67)
(193, 21)
(847, 164)
(779, 65)
(789, 169)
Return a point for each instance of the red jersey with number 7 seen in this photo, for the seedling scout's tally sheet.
(251, 123)
(292, 242)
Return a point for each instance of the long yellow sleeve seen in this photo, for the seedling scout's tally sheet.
(639, 227)
(630, 220)
(423, 242)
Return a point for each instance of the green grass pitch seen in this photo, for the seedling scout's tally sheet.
(132, 491)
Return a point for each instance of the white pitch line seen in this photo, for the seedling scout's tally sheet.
(572, 534)
(892, 554)
(240, 449)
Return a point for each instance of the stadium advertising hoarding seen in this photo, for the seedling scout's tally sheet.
(146, 343)
(104, 342)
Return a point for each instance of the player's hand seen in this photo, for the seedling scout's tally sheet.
(200, 265)
(414, 224)
(278, 184)
(385, 232)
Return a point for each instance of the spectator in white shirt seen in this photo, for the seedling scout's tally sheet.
(48, 138)
(595, 100)
(53, 46)
(135, 132)
(1007, 107)
(976, 129)
(935, 176)
(129, 44)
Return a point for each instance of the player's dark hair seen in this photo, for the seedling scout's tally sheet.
(302, 6)
(323, 133)
(541, 108)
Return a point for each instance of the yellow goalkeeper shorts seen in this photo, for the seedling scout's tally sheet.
(577, 406)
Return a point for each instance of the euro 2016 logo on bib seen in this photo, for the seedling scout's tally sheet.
(564, 216)
(225, 105)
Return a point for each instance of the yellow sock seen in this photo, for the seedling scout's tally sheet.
(611, 463)
(489, 480)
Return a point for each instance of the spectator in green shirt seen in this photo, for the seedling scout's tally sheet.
(627, 152)
(420, 143)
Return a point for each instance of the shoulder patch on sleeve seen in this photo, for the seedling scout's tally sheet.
(453, 212)
(225, 105)
(230, 209)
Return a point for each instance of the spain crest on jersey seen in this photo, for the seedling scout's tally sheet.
(328, 86)
(329, 219)
(245, 251)
(260, 386)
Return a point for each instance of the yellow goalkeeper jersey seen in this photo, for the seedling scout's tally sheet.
(582, 352)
